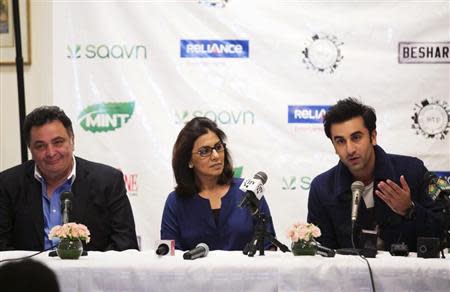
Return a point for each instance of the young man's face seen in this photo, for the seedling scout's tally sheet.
(52, 147)
(354, 145)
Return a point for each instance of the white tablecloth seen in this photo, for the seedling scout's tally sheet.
(233, 271)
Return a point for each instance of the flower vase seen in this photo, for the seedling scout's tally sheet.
(303, 248)
(69, 249)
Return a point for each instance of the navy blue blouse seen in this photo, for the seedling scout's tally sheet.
(190, 221)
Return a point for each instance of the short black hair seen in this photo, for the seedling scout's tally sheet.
(182, 154)
(28, 275)
(347, 109)
(43, 115)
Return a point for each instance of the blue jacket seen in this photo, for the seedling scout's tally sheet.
(190, 221)
(329, 203)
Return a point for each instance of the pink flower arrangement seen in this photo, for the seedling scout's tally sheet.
(303, 232)
(70, 231)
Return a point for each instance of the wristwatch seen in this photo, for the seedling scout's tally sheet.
(410, 212)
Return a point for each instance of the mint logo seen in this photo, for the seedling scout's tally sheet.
(237, 171)
(105, 117)
(289, 185)
(74, 52)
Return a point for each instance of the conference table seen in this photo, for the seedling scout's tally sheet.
(233, 271)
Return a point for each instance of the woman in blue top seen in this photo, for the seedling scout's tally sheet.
(204, 206)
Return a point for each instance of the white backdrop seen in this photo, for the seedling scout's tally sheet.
(130, 74)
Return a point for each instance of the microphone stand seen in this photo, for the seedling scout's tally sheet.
(259, 236)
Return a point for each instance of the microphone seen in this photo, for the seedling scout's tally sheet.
(164, 247)
(357, 189)
(438, 187)
(254, 191)
(201, 250)
(325, 251)
(66, 206)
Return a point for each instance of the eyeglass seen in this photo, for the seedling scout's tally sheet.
(206, 151)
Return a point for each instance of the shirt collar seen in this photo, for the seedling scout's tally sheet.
(71, 176)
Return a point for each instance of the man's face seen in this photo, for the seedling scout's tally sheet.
(354, 145)
(52, 149)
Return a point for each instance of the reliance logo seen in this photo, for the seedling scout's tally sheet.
(214, 49)
(307, 114)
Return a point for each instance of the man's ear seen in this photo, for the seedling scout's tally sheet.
(373, 137)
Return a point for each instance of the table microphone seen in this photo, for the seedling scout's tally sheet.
(201, 250)
(164, 247)
(325, 251)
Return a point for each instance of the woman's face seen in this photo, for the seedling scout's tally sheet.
(208, 156)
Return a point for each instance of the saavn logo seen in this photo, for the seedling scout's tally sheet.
(292, 182)
(307, 114)
(104, 117)
(106, 51)
(214, 49)
(225, 117)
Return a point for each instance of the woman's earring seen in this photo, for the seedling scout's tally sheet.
(190, 165)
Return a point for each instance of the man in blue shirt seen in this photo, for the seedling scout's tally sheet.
(394, 201)
(30, 193)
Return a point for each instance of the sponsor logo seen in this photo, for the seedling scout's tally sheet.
(323, 53)
(443, 174)
(290, 183)
(105, 117)
(131, 183)
(214, 48)
(224, 117)
(214, 3)
(106, 51)
(237, 171)
(307, 114)
(423, 52)
(431, 118)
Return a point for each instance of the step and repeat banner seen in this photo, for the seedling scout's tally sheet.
(131, 74)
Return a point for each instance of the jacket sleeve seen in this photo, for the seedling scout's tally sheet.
(170, 229)
(429, 219)
(123, 235)
(5, 220)
(317, 215)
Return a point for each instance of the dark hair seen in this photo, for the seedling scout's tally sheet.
(43, 115)
(182, 153)
(347, 109)
(28, 275)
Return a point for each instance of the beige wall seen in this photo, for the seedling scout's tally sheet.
(38, 83)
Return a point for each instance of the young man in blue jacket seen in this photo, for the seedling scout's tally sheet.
(394, 201)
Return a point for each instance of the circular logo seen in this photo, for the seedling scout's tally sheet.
(323, 53)
(431, 118)
(214, 3)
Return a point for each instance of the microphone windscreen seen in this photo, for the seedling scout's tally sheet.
(165, 247)
(66, 195)
(205, 246)
(261, 176)
(357, 186)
